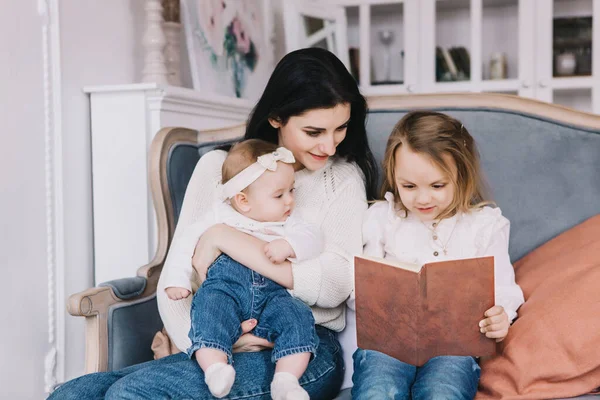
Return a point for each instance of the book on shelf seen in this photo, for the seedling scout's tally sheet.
(452, 64)
(354, 57)
(415, 312)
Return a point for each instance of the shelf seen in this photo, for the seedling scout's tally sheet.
(350, 3)
(383, 90)
(572, 82)
(458, 86)
(579, 99)
(501, 85)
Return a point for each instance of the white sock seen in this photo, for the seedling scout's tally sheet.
(219, 378)
(285, 386)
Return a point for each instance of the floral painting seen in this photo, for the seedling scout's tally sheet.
(229, 45)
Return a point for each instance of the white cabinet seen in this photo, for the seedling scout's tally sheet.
(398, 39)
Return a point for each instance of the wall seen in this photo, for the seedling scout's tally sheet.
(24, 332)
(100, 43)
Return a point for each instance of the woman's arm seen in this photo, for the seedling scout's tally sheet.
(324, 281)
(199, 197)
(328, 280)
(243, 248)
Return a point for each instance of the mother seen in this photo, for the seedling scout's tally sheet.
(312, 106)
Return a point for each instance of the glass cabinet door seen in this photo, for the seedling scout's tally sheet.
(312, 24)
(567, 53)
(384, 44)
(477, 45)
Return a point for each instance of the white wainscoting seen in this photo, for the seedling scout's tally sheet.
(124, 121)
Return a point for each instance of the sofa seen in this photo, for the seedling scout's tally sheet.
(535, 155)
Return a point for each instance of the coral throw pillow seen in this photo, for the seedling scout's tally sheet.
(553, 348)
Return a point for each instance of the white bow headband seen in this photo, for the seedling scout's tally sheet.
(248, 175)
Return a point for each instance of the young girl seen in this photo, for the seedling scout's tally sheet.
(435, 209)
(256, 197)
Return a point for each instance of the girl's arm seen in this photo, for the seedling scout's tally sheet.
(376, 217)
(508, 294)
(374, 222)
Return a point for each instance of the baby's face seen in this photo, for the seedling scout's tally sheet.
(271, 196)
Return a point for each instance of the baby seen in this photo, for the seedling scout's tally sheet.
(256, 197)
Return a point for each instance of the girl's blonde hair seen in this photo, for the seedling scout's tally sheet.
(435, 135)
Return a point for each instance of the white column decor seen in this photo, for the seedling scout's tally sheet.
(54, 359)
(172, 32)
(154, 42)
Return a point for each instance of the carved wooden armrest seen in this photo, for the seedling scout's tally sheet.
(94, 304)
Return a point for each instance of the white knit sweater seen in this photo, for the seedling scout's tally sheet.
(332, 198)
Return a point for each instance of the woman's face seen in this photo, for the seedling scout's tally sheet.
(313, 136)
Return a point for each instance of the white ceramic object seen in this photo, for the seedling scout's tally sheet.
(565, 64)
(172, 31)
(154, 42)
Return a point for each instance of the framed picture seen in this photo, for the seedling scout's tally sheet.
(229, 45)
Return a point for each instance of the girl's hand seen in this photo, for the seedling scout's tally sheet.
(248, 342)
(496, 325)
(177, 293)
(206, 251)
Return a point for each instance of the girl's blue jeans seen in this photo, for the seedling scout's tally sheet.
(379, 377)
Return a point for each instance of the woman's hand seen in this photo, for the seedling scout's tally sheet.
(206, 251)
(496, 325)
(248, 343)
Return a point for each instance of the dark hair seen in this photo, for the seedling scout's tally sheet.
(309, 79)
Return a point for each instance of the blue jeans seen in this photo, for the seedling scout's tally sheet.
(233, 293)
(178, 377)
(378, 376)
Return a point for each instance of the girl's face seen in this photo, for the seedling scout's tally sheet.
(313, 136)
(424, 188)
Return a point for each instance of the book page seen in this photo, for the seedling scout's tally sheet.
(395, 263)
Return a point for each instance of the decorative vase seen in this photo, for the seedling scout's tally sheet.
(172, 53)
(565, 64)
(498, 66)
(386, 37)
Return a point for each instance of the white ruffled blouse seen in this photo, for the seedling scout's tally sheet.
(478, 233)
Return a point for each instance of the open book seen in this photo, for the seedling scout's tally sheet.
(414, 313)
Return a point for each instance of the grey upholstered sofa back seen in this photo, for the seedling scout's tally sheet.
(543, 174)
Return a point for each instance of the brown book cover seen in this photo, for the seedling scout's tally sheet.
(414, 313)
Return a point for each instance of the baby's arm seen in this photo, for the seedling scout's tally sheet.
(304, 241)
(279, 250)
